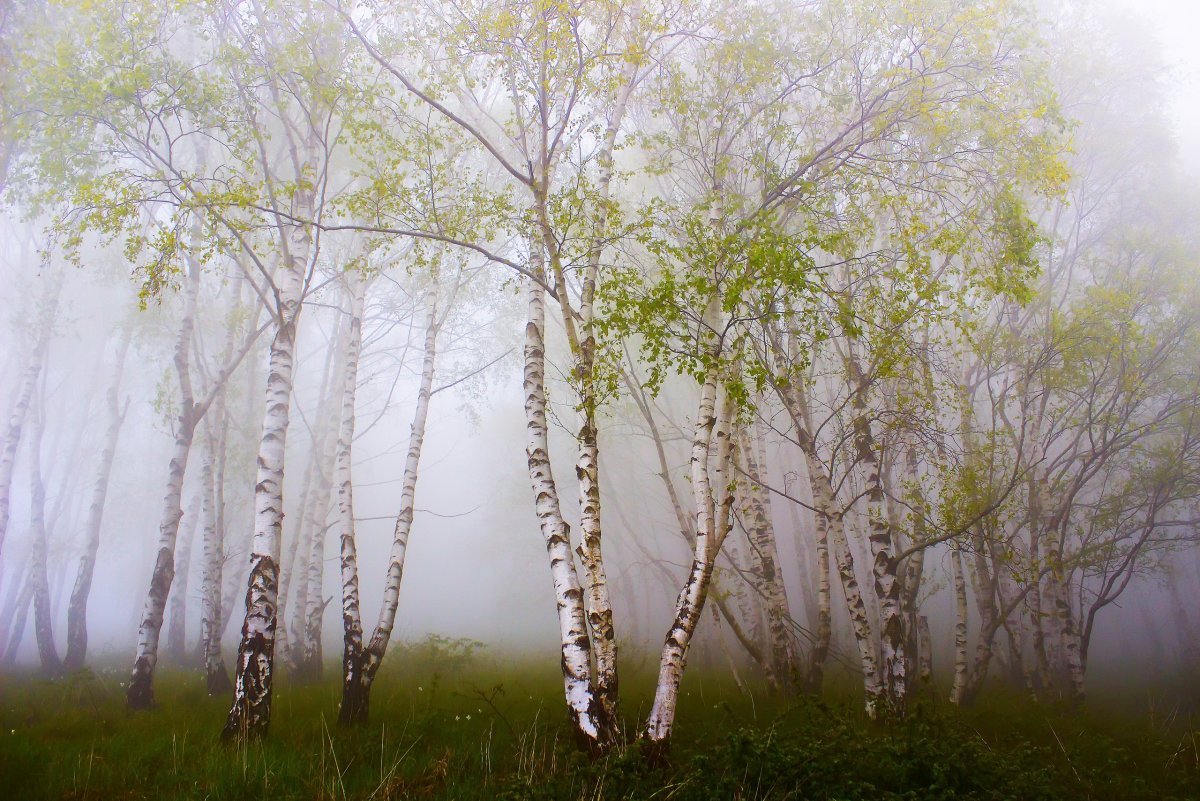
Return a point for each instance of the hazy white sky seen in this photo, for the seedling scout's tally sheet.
(1177, 26)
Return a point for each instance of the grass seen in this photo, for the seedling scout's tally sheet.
(445, 726)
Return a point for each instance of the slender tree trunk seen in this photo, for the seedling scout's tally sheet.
(382, 635)
(831, 519)
(925, 651)
(583, 709)
(309, 659)
(140, 693)
(43, 621)
(216, 677)
(761, 531)
(295, 587)
(16, 419)
(21, 609)
(958, 695)
(713, 492)
(355, 701)
(820, 650)
(177, 608)
(77, 608)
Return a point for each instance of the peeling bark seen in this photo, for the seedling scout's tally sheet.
(583, 709)
(250, 712)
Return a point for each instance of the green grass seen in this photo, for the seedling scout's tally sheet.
(459, 728)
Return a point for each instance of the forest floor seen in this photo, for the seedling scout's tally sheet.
(446, 725)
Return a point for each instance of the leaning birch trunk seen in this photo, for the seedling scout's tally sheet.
(583, 709)
(140, 693)
(354, 708)
(77, 608)
(250, 712)
(958, 694)
(378, 644)
(43, 623)
(831, 518)
(16, 419)
(216, 678)
(860, 623)
(761, 531)
(177, 606)
(714, 501)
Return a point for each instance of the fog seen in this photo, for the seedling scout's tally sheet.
(961, 335)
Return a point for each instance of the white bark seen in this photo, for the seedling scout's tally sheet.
(353, 707)
(250, 711)
(959, 690)
(77, 608)
(713, 493)
(140, 692)
(582, 706)
(216, 678)
(16, 419)
(42, 615)
(378, 644)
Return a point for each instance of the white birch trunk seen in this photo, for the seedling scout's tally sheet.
(761, 531)
(140, 692)
(958, 694)
(307, 631)
(77, 608)
(377, 647)
(582, 707)
(884, 569)
(354, 707)
(16, 419)
(216, 678)
(250, 712)
(42, 615)
(714, 501)
(177, 607)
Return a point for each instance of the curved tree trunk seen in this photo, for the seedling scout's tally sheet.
(713, 492)
(380, 638)
(77, 608)
(16, 419)
(761, 531)
(43, 621)
(140, 693)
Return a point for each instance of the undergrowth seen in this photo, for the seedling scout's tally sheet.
(447, 727)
